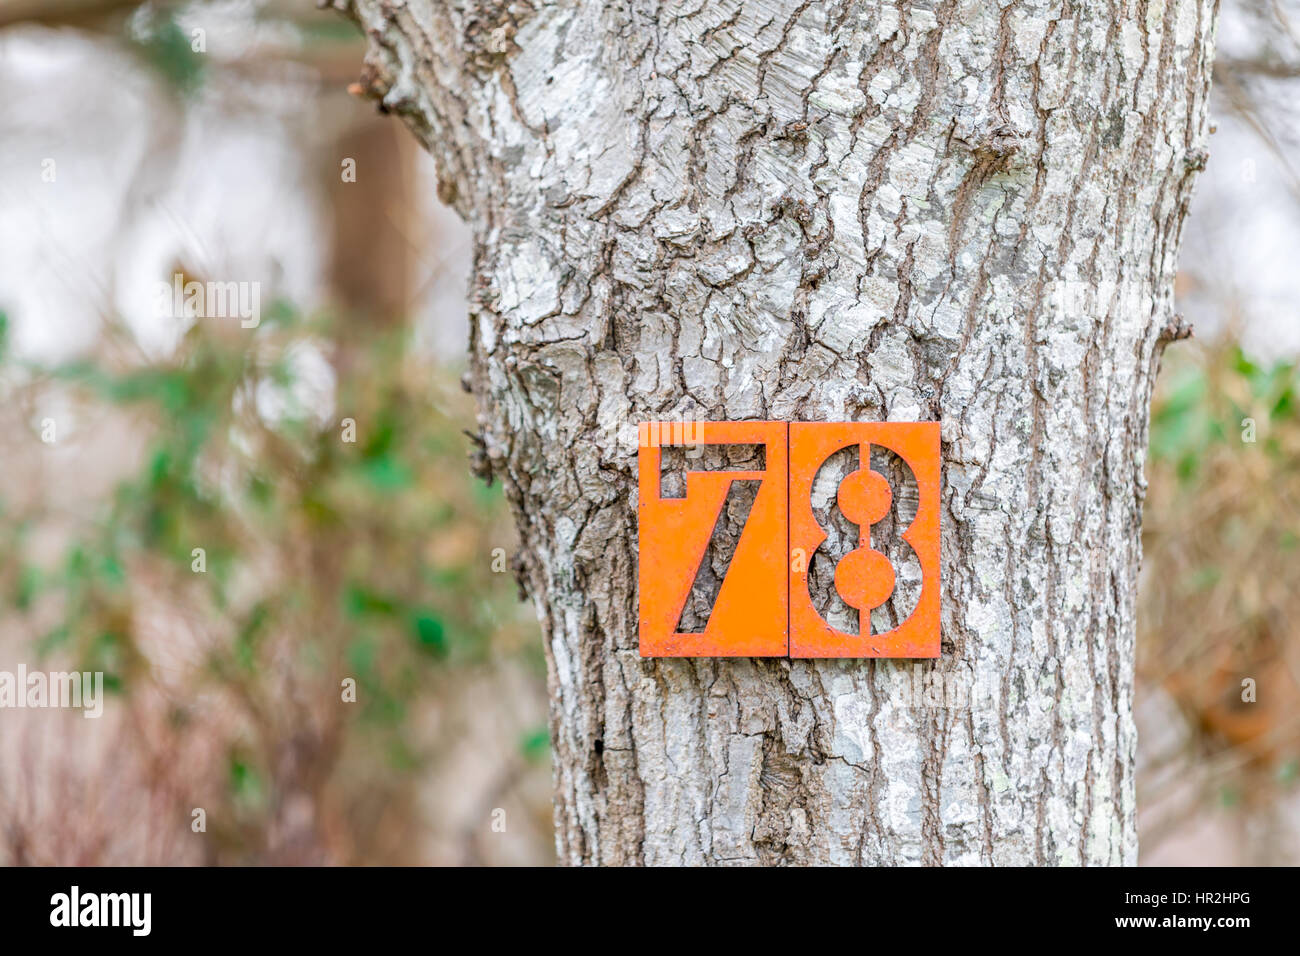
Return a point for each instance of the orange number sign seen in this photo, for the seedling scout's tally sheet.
(763, 607)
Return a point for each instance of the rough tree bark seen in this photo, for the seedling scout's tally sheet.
(957, 211)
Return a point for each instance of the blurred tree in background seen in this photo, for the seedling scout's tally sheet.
(232, 530)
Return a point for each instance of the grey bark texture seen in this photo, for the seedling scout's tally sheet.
(960, 211)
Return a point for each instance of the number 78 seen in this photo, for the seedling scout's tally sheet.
(763, 607)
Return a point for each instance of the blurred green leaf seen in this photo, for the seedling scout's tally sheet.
(536, 744)
(167, 48)
(430, 634)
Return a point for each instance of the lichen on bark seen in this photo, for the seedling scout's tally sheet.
(956, 211)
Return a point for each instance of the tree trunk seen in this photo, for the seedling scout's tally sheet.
(950, 211)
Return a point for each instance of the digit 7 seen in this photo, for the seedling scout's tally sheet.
(750, 615)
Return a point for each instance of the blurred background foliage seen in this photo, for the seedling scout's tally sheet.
(248, 530)
(288, 552)
(1221, 586)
